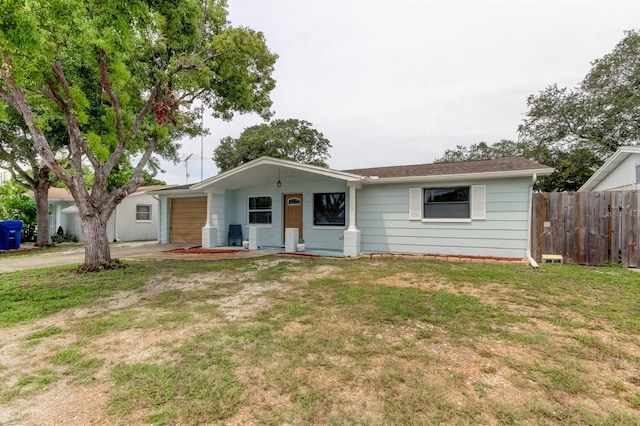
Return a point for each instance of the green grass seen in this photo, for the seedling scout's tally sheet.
(76, 363)
(28, 385)
(46, 332)
(454, 343)
(200, 387)
(29, 295)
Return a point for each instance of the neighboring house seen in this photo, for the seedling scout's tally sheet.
(60, 199)
(135, 218)
(474, 208)
(5, 175)
(621, 172)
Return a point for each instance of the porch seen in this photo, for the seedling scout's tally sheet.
(276, 202)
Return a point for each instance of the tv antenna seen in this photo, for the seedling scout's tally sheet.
(186, 167)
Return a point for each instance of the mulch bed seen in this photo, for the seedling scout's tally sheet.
(199, 250)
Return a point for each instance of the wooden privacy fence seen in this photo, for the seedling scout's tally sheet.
(591, 228)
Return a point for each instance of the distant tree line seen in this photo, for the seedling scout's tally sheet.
(575, 130)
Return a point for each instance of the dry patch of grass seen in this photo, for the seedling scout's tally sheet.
(318, 341)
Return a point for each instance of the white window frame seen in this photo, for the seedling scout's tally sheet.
(477, 204)
(250, 210)
(148, 212)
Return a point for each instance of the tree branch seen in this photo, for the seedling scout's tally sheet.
(189, 98)
(103, 172)
(135, 181)
(53, 94)
(77, 142)
(6, 95)
(15, 167)
(153, 96)
(16, 98)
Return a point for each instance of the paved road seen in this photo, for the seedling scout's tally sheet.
(127, 250)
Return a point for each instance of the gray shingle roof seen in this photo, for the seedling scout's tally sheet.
(454, 168)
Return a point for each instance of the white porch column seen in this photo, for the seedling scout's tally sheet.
(290, 239)
(351, 246)
(210, 230)
(254, 239)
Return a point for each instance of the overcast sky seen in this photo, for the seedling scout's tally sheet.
(392, 82)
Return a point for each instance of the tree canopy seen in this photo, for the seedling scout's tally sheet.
(290, 139)
(19, 154)
(569, 174)
(123, 77)
(575, 130)
(15, 204)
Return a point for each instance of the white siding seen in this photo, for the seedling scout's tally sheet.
(123, 226)
(217, 219)
(383, 218)
(5, 175)
(163, 224)
(622, 177)
(478, 202)
(415, 203)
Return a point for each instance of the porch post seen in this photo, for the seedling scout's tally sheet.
(351, 246)
(352, 208)
(211, 230)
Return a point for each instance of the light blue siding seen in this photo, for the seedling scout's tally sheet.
(316, 237)
(383, 218)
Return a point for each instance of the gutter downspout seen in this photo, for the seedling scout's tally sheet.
(115, 226)
(532, 262)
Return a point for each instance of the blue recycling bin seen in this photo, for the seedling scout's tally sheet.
(10, 234)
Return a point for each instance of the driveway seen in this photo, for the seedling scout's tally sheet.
(140, 250)
(125, 250)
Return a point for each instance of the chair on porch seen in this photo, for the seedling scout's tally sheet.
(235, 233)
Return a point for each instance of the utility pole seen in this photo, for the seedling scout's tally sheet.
(202, 146)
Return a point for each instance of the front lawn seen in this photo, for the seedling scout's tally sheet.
(280, 340)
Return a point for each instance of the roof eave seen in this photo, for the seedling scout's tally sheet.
(618, 157)
(183, 191)
(462, 176)
(277, 162)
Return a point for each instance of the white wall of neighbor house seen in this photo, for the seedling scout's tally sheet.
(271, 235)
(123, 225)
(383, 218)
(136, 218)
(58, 219)
(623, 176)
(5, 175)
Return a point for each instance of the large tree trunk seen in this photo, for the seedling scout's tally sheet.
(41, 194)
(97, 253)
